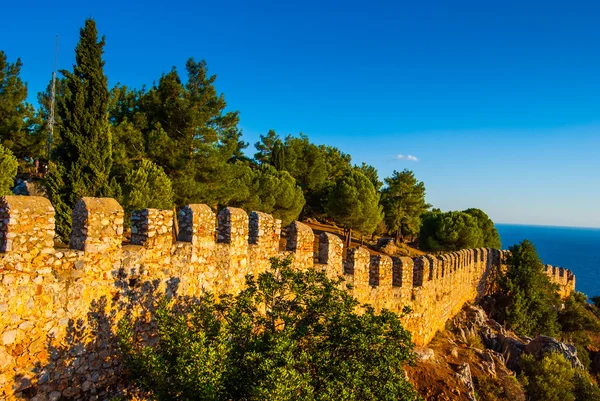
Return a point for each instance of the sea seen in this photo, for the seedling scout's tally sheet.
(574, 248)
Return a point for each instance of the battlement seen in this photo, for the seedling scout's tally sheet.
(45, 289)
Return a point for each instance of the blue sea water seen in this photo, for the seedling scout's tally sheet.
(577, 249)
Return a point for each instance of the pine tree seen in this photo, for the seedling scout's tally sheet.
(491, 238)
(354, 203)
(192, 137)
(272, 191)
(404, 203)
(83, 159)
(17, 121)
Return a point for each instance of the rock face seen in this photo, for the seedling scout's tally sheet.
(543, 345)
(59, 307)
(424, 354)
(463, 371)
(474, 321)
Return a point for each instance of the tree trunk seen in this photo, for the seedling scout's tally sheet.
(348, 232)
(362, 239)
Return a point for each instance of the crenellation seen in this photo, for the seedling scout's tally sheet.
(152, 228)
(301, 241)
(421, 268)
(48, 290)
(331, 250)
(432, 272)
(97, 225)
(358, 265)
(26, 227)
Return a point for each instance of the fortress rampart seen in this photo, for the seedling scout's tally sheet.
(59, 307)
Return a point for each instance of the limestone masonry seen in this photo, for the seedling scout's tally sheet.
(59, 307)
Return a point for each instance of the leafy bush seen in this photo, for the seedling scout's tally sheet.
(290, 335)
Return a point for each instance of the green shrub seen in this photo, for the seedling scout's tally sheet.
(8, 171)
(585, 389)
(290, 335)
(550, 379)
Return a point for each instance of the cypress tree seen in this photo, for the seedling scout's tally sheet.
(83, 159)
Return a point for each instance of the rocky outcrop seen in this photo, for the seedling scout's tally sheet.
(543, 345)
(473, 321)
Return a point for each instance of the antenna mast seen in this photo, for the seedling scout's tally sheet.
(51, 121)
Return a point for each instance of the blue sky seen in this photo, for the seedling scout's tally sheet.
(499, 101)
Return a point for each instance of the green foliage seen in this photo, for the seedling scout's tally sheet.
(290, 335)
(585, 389)
(404, 203)
(554, 378)
(491, 239)
(450, 231)
(596, 300)
(8, 170)
(274, 192)
(187, 132)
(550, 379)
(576, 316)
(315, 168)
(532, 301)
(371, 173)
(83, 158)
(354, 203)
(18, 124)
(147, 186)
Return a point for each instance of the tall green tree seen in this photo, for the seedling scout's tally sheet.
(271, 191)
(530, 302)
(191, 135)
(264, 147)
(491, 238)
(18, 124)
(403, 200)
(354, 203)
(82, 160)
(449, 231)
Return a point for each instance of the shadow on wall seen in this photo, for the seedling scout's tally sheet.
(85, 364)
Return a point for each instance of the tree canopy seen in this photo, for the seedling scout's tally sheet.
(404, 203)
(449, 231)
(354, 203)
(272, 191)
(491, 238)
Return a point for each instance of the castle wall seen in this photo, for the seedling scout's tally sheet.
(59, 306)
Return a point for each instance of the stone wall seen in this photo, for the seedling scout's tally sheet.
(59, 307)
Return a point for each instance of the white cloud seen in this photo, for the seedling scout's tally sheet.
(407, 157)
